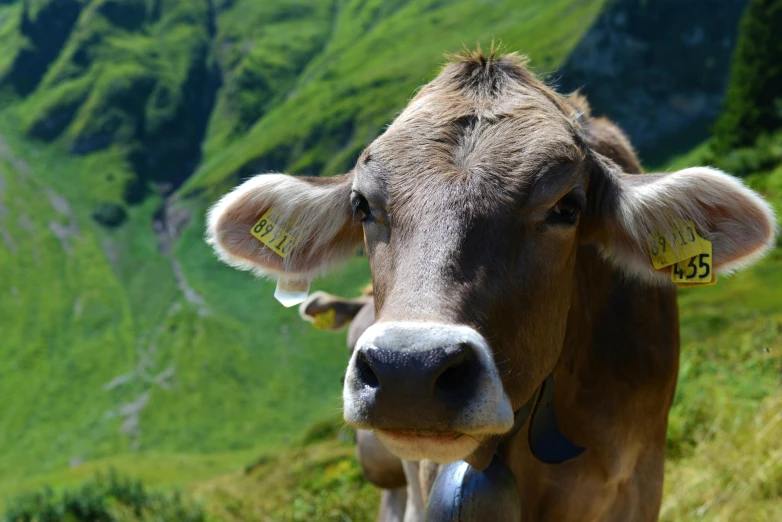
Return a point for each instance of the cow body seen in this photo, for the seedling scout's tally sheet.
(613, 396)
(508, 235)
(615, 382)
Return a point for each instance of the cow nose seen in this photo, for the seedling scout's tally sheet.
(412, 381)
(407, 389)
(443, 373)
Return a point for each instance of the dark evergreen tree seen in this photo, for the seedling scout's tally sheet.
(753, 103)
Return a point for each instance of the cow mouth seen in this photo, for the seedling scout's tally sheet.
(438, 446)
(444, 436)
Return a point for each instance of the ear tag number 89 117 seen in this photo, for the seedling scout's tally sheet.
(681, 243)
(291, 289)
(272, 234)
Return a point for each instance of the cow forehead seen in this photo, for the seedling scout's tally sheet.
(484, 129)
(454, 152)
(480, 120)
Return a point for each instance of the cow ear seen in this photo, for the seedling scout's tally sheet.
(626, 211)
(274, 224)
(329, 312)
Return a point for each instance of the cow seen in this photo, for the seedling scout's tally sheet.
(405, 485)
(514, 245)
(380, 467)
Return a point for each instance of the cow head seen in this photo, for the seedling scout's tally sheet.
(471, 208)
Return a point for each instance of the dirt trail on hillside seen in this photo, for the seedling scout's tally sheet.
(168, 225)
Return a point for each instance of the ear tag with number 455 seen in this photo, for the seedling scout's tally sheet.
(697, 270)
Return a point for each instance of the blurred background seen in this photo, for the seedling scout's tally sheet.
(126, 346)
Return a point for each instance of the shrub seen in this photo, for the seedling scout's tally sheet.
(762, 156)
(104, 498)
(109, 214)
(752, 104)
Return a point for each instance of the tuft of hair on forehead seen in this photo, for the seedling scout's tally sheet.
(486, 76)
(485, 72)
(482, 58)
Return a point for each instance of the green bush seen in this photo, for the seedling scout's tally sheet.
(762, 156)
(754, 97)
(105, 498)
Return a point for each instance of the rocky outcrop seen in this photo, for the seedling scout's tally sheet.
(659, 69)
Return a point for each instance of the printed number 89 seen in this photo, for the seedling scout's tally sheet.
(261, 224)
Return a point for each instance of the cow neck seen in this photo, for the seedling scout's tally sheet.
(546, 441)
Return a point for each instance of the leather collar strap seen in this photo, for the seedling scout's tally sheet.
(546, 441)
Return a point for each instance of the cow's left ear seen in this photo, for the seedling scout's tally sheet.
(330, 312)
(626, 213)
(274, 224)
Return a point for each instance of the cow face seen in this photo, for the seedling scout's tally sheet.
(472, 207)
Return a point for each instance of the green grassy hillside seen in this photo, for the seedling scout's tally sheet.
(125, 344)
(112, 344)
(123, 340)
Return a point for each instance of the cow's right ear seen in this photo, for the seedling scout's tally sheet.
(275, 224)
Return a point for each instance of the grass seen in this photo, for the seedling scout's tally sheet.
(724, 458)
(321, 481)
(119, 351)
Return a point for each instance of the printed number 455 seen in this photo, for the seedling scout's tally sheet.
(702, 270)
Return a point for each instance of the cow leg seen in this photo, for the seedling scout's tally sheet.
(380, 466)
(415, 511)
(427, 473)
(392, 505)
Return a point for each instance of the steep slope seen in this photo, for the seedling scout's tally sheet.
(121, 331)
(376, 55)
(660, 70)
(109, 346)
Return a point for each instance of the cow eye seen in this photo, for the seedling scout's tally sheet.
(361, 209)
(566, 210)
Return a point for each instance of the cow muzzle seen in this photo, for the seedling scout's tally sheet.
(429, 390)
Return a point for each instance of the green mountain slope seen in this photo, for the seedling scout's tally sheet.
(124, 343)
(120, 333)
(108, 348)
(374, 59)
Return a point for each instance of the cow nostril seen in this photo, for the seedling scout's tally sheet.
(456, 374)
(366, 375)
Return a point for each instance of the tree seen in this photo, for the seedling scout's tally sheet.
(753, 103)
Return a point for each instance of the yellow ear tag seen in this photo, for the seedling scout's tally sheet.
(697, 270)
(681, 243)
(325, 320)
(273, 235)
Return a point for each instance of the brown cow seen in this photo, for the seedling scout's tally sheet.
(380, 467)
(509, 241)
(402, 498)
